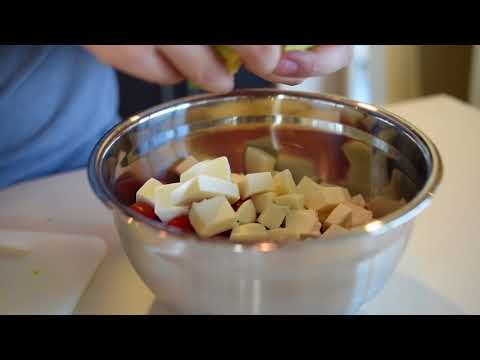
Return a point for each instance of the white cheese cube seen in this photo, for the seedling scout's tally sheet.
(282, 235)
(218, 168)
(212, 216)
(256, 183)
(306, 186)
(164, 208)
(262, 200)
(249, 233)
(326, 198)
(301, 221)
(334, 231)
(204, 187)
(358, 200)
(283, 183)
(237, 178)
(341, 215)
(299, 166)
(186, 164)
(246, 213)
(274, 172)
(146, 194)
(273, 215)
(293, 201)
(257, 160)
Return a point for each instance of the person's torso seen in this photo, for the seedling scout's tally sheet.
(55, 103)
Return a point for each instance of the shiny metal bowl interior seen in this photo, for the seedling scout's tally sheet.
(149, 143)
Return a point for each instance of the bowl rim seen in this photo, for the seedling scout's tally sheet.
(379, 226)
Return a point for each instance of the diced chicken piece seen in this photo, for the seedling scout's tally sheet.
(186, 164)
(301, 221)
(273, 215)
(293, 201)
(146, 193)
(262, 200)
(164, 208)
(204, 187)
(249, 233)
(257, 160)
(341, 215)
(314, 232)
(358, 200)
(282, 234)
(359, 216)
(323, 214)
(256, 183)
(326, 198)
(283, 183)
(217, 168)
(306, 186)
(246, 213)
(212, 216)
(334, 231)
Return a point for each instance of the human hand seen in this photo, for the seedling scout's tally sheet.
(170, 64)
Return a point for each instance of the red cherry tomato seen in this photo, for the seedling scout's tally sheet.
(144, 209)
(126, 188)
(182, 222)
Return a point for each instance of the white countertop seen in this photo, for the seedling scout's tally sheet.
(437, 275)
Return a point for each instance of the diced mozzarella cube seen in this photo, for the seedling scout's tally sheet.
(256, 183)
(203, 187)
(146, 193)
(293, 201)
(164, 208)
(358, 200)
(341, 215)
(257, 160)
(273, 215)
(262, 200)
(246, 213)
(212, 216)
(306, 186)
(282, 235)
(186, 164)
(249, 233)
(274, 172)
(218, 168)
(283, 183)
(333, 231)
(381, 206)
(237, 178)
(326, 198)
(299, 166)
(301, 221)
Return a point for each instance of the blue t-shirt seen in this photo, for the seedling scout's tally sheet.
(55, 104)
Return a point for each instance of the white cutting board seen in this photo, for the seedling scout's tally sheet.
(45, 273)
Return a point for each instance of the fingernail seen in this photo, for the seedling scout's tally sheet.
(286, 67)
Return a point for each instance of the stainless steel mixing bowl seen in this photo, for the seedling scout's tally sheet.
(363, 147)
